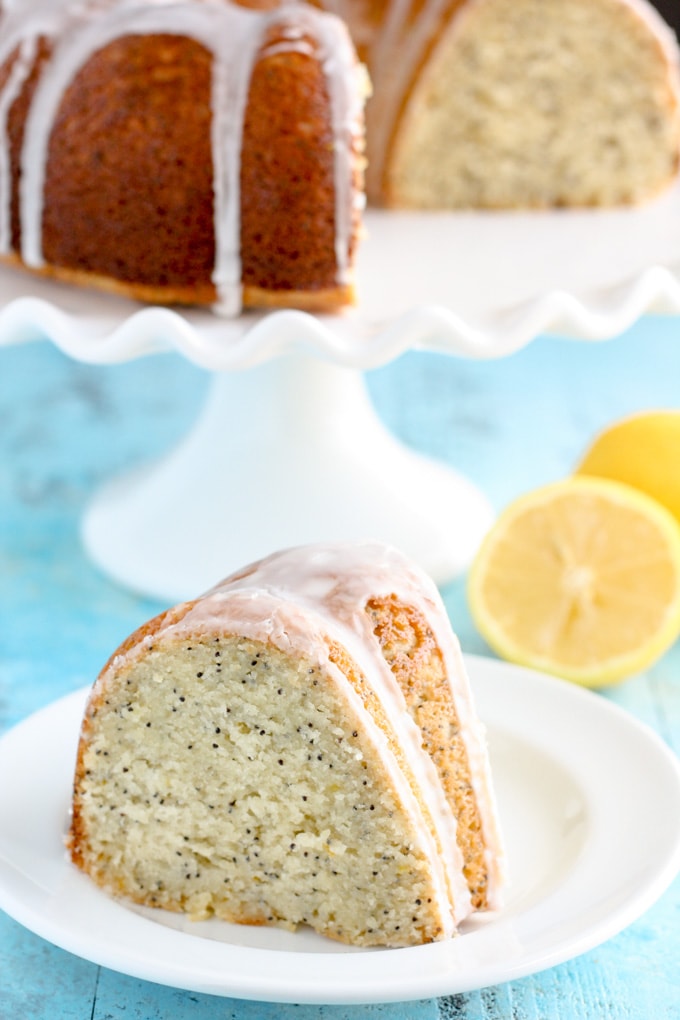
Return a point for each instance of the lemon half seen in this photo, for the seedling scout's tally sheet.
(580, 578)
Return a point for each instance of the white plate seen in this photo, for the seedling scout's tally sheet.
(475, 284)
(590, 806)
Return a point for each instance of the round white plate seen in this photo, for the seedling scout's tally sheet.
(578, 781)
(475, 284)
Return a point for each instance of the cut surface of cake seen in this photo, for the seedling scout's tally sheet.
(517, 103)
(183, 151)
(299, 746)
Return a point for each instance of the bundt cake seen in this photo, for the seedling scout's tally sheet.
(211, 151)
(517, 103)
(191, 151)
(299, 746)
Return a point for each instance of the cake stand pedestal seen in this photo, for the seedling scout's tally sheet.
(287, 452)
(288, 448)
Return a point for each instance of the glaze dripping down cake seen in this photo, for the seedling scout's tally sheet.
(297, 747)
(182, 151)
(211, 152)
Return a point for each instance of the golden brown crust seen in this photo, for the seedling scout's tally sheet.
(136, 203)
(339, 657)
(410, 648)
(288, 224)
(332, 300)
(132, 212)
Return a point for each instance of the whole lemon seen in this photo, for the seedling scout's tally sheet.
(642, 450)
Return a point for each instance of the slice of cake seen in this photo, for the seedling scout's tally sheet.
(298, 746)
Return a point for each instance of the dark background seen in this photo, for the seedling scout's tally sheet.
(670, 10)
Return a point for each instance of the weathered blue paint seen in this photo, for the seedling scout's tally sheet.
(508, 425)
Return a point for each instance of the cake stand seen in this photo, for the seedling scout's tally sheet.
(288, 448)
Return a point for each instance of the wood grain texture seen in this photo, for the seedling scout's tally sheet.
(508, 425)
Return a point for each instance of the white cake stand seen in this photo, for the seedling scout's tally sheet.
(288, 448)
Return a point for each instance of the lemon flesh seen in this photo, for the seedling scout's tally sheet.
(642, 450)
(582, 579)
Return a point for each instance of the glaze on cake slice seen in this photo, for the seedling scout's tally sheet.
(298, 746)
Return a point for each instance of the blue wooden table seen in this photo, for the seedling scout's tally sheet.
(508, 425)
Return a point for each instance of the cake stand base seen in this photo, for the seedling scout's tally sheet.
(286, 453)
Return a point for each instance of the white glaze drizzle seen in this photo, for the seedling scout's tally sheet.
(264, 615)
(20, 70)
(234, 36)
(393, 77)
(338, 580)
(298, 631)
(297, 600)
